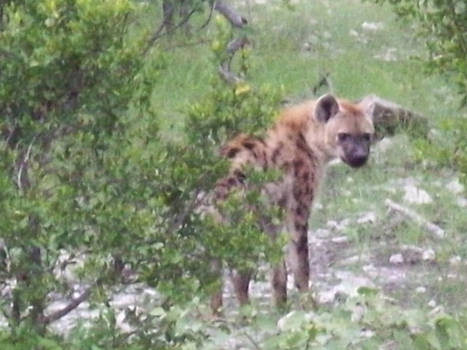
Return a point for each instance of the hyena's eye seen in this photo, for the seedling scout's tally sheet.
(366, 136)
(343, 136)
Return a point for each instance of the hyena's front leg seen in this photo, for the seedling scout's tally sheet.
(216, 296)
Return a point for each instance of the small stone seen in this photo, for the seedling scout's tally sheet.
(357, 313)
(341, 239)
(396, 259)
(282, 323)
(455, 260)
(455, 186)
(388, 56)
(338, 226)
(367, 218)
(462, 202)
(420, 290)
(322, 232)
(318, 206)
(354, 33)
(429, 255)
(432, 303)
(367, 333)
(416, 195)
(373, 26)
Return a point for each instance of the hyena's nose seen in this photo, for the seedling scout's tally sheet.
(358, 161)
(358, 158)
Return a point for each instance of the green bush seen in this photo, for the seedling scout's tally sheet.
(86, 177)
(443, 27)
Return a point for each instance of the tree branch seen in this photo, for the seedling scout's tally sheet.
(224, 68)
(158, 34)
(23, 165)
(437, 231)
(211, 10)
(230, 14)
(389, 116)
(74, 303)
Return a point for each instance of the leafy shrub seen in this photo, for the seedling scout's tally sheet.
(443, 26)
(368, 320)
(87, 180)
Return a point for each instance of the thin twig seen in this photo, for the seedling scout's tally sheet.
(158, 34)
(230, 14)
(24, 162)
(179, 220)
(437, 231)
(74, 303)
(250, 338)
(224, 68)
(211, 10)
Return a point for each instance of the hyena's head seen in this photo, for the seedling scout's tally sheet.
(348, 129)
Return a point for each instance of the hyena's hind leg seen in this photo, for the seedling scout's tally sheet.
(279, 284)
(241, 283)
(279, 269)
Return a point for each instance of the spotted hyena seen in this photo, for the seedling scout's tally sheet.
(300, 144)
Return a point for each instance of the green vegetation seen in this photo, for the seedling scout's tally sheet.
(107, 147)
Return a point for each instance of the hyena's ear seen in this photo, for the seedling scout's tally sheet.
(326, 107)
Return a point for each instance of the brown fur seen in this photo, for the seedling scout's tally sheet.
(300, 144)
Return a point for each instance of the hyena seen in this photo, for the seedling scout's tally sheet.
(300, 145)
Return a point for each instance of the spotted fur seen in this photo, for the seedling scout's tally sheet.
(300, 144)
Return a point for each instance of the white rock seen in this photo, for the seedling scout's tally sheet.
(432, 303)
(396, 259)
(462, 202)
(367, 333)
(416, 195)
(322, 232)
(357, 313)
(350, 261)
(385, 145)
(388, 56)
(429, 255)
(420, 290)
(371, 270)
(455, 186)
(367, 218)
(455, 260)
(338, 226)
(373, 26)
(354, 33)
(349, 285)
(341, 239)
(283, 320)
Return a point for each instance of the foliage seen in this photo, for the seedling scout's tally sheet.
(69, 72)
(89, 188)
(368, 320)
(443, 25)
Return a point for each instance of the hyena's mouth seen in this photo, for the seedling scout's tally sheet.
(355, 161)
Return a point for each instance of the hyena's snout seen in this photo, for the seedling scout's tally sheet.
(358, 157)
(356, 154)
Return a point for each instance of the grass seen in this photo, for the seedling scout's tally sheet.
(293, 48)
